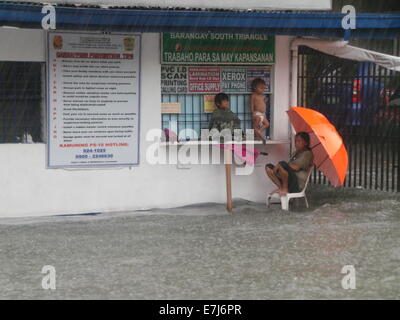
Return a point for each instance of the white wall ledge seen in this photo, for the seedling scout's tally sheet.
(245, 142)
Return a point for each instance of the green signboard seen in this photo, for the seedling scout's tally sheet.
(217, 48)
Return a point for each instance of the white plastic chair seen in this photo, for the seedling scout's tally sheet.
(286, 198)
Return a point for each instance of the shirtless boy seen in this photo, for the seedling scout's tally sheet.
(258, 107)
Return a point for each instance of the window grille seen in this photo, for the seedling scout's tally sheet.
(20, 102)
(193, 118)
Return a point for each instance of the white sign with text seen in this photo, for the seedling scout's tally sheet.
(93, 99)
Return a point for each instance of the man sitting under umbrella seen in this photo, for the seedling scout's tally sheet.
(290, 177)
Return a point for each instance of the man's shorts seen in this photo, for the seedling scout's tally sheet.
(293, 183)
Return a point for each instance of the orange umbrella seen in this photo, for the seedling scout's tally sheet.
(330, 155)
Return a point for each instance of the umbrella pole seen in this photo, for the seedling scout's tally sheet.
(228, 172)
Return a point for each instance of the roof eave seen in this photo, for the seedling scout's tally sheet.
(317, 24)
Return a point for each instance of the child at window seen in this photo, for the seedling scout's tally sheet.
(258, 106)
(223, 118)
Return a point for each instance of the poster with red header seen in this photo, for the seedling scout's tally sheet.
(204, 79)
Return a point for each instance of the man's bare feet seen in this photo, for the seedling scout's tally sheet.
(283, 192)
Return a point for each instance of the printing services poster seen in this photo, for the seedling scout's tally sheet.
(93, 99)
(177, 79)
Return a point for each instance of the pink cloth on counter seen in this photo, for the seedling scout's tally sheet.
(245, 153)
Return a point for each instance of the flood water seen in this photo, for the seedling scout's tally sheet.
(203, 252)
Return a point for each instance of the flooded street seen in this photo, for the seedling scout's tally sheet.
(203, 252)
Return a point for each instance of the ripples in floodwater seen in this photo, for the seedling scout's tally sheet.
(203, 252)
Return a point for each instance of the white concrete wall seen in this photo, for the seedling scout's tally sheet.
(29, 189)
(22, 45)
(237, 4)
(280, 121)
